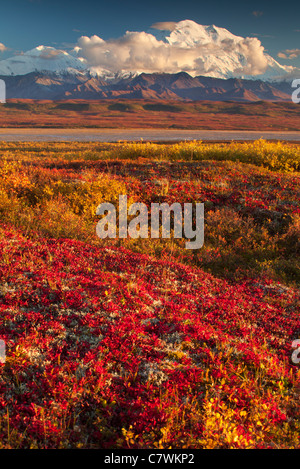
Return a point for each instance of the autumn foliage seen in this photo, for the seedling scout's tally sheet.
(142, 343)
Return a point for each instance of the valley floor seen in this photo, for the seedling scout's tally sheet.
(150, 114)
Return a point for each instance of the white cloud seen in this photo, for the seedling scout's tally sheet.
(164, 26)
(51, 54)
(254, 52)
(143, 52)
(289, 54)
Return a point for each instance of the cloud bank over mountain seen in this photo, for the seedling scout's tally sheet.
(167, 47)
(174, 47)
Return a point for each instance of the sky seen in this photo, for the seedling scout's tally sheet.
(25, 24)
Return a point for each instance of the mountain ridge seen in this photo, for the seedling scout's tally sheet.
(180, 86)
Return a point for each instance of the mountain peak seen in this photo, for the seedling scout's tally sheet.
(188, 33)
(40, 59)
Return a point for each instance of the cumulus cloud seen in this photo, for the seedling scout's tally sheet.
(143, 52)
(289, 54)
(257, 62)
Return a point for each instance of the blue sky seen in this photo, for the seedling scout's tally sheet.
(25, 24)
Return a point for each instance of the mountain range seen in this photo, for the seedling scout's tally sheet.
(180, 86)
(223, 60)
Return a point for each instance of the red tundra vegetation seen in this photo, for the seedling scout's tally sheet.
(142, 343)
(150, 114)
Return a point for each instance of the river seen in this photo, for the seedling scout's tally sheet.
(115, 135)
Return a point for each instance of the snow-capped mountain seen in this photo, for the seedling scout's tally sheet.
(222, 54)
(42, 59)
(200, 51)
(188, 33)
